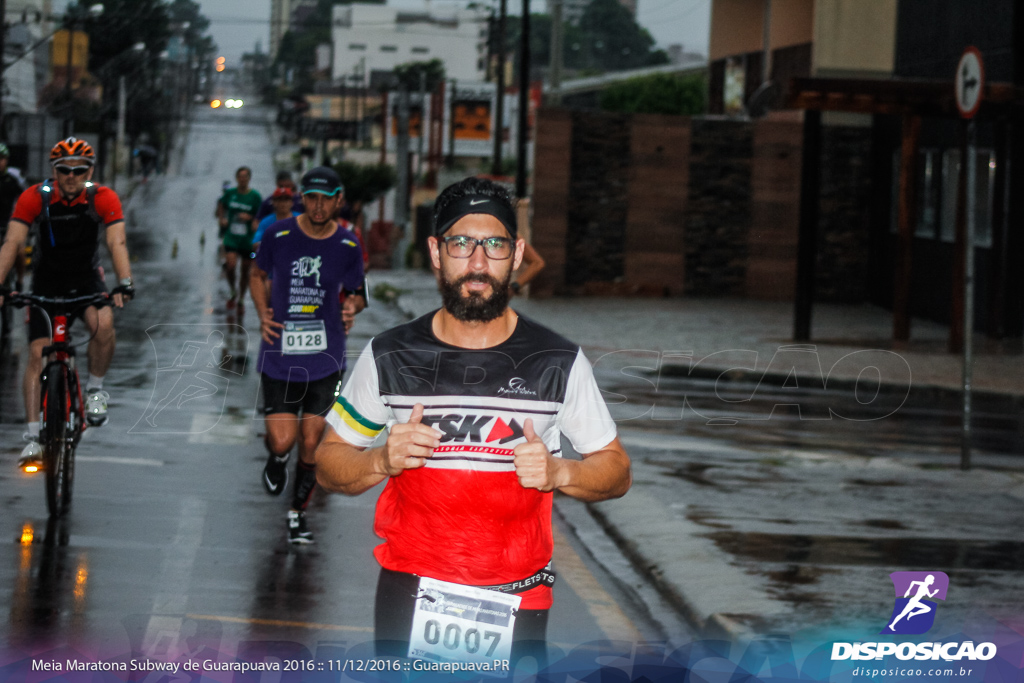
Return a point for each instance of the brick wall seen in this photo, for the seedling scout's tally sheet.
(775, 210)
(656, 217)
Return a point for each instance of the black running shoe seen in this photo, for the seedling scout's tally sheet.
(298, 532)
(275, 474)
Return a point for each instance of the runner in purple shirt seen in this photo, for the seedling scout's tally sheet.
(303, 266)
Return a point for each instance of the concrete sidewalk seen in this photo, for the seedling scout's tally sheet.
(745, 538)
(718, 331)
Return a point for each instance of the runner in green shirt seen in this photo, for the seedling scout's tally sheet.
(235, 212)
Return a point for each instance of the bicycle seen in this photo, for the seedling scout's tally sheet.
(61, 409)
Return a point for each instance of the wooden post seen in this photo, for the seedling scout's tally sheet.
(807, 244)
(906, 222)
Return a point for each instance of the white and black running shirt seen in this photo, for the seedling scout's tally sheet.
(464, 517)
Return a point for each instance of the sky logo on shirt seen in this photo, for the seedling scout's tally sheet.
(471, 428)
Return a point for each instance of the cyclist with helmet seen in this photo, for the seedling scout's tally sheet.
(69, 212)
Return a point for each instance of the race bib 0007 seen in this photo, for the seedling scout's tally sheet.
(307, 336)
(456, 623)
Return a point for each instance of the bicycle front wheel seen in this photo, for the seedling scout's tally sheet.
(55, 409)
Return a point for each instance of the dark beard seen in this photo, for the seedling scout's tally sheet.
(475, 308)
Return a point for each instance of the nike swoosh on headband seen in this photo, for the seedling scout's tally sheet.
(474, 202)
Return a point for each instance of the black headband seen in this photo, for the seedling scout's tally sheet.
(476, 203)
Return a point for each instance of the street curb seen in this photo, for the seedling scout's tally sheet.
(649, 570)
(713, 625)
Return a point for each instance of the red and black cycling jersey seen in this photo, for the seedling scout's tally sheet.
(464, 517)
(68, 242)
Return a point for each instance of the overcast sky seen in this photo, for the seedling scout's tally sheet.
(238, 24)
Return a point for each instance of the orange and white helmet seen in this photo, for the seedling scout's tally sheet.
(72, 148)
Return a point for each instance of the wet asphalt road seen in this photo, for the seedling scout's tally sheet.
(171, 543)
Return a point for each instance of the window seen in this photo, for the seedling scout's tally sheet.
(928, 188)
(420, 50)
(389, 48)
(984, 184)
(357, 46)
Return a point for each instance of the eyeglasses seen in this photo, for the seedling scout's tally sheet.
(461, 246)
(68, 170)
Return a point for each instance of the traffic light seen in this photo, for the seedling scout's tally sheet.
(221, 61)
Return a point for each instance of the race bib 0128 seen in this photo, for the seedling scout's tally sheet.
(301, 337)
(456, 623)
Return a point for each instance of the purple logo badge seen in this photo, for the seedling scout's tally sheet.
(914, 612)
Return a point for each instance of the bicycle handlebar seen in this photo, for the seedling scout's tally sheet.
(20, 300)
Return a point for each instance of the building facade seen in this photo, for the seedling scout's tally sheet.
(572, 10)
(375, 38)
(828, 38)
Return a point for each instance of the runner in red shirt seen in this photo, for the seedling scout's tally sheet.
(475, 398)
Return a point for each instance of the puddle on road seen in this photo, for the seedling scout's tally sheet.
(932, 553)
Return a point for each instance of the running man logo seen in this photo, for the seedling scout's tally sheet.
(306, 266)
(914, 612)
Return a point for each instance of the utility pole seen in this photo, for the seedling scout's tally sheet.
(557, 33)
(402, 184)
(524, 100)
(499, 103)
(423, 122)
(3, 52)
(67, 80)
(122, 101)
(766, 33)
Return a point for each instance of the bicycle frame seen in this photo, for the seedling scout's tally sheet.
(61, 353)
(61, 408)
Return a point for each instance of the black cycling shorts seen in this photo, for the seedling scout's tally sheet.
(38, 325)
(314, 397)
(393, 612)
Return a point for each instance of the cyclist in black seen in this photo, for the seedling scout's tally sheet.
(69, 212)
(10, 189)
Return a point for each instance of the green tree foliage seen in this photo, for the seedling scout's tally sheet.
(656, 94)
(113, 36)
(409, 74)
(297, 51)
(613, 39)
(606, 39)
(364, 183)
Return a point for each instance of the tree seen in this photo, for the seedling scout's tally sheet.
(613, 38)
(656, 94)
(297, 51)
(408, 74)
(606, 39)
(364, 183)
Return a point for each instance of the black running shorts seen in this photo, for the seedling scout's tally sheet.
(38, 325)
(314, 397)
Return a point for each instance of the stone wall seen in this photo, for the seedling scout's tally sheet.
(660, 205)
(844, 229)
(718, 208)
(598, 199)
